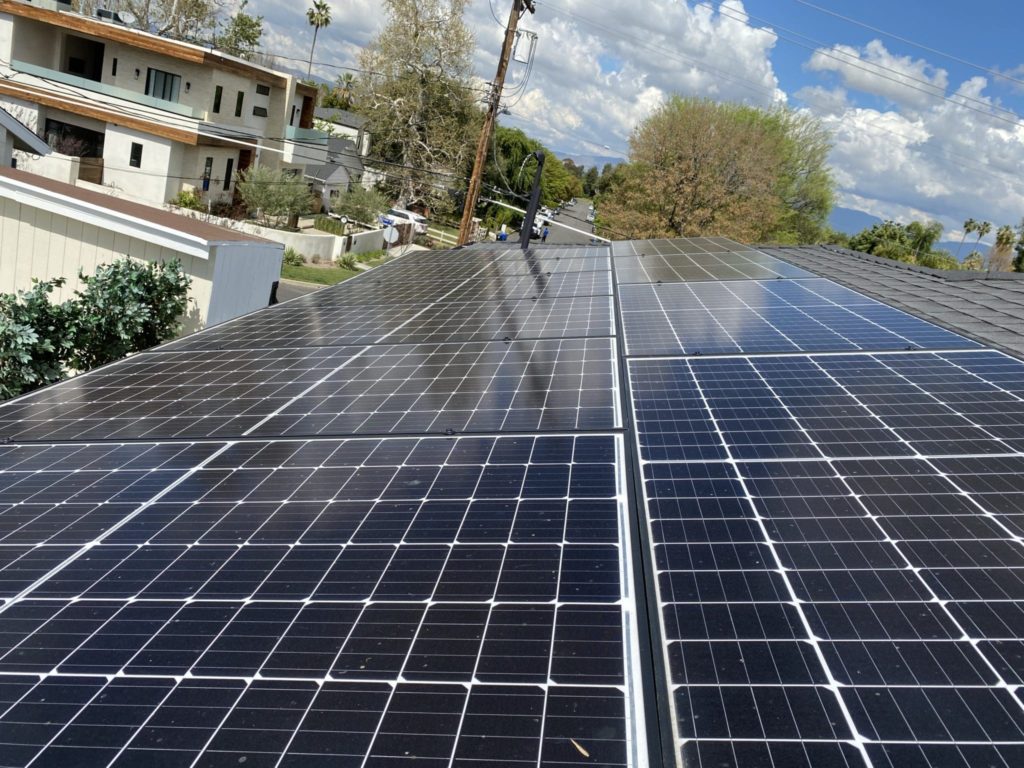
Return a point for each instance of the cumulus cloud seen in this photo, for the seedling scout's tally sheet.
(874, 69)
(946, 161)
(600, 68)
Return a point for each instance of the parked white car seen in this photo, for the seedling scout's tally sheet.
(402, 216)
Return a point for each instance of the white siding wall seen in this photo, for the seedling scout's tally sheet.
(35, 243)
(242, 278)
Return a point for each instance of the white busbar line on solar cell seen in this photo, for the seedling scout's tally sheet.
(851, 353)
(113, 529)
(804, 620)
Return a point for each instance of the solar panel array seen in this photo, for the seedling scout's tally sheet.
(672, 502)
(384, 522)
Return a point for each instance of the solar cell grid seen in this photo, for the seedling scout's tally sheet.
(756, 317)
(385, 571)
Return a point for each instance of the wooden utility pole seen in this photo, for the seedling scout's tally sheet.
(519, 7)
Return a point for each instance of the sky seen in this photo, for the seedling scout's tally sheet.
(924, 127)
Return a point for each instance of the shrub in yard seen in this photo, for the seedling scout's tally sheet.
(273, 195)
(315, 259)
(293, 258)
(348, 261)
(125, 307)
(190, 199)
(33, 339)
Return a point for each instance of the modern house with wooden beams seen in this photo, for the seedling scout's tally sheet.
(145, 116)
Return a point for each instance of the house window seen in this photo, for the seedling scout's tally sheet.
(263, 90)
(218, 92)
(294, 110)
(259, 111)
(207, 173)
(228, 170)
(135, 160)
(113, 67)
(162, 85)
(238, 103)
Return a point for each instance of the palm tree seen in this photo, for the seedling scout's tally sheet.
(346, 89)
(969, 226)
(982, 228)
(1001, 257)
(318, 16)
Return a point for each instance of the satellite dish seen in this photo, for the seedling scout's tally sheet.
(391, 235)
(343, 219)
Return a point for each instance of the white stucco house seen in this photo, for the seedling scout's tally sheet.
(51, 229)
(143, 115)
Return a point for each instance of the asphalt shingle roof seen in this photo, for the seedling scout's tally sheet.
(987, 307)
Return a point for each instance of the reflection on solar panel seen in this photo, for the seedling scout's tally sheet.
(755, 317)
(391, 522)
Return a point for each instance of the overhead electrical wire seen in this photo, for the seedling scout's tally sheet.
(761, 89)
(945, 54)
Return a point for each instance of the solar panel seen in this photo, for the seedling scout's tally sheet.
(757, 317)
(391, 521)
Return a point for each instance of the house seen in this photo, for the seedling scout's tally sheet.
(52, 229)
(147, 116)
(15, 135)
(341, 122)
(343, 169)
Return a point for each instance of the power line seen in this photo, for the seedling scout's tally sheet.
(929, 89)
(908, 41)
(761, 89)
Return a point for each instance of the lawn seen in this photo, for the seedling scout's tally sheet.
(321, 275)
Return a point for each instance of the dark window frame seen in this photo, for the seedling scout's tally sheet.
(168, 84)
(259, 111)
(218, 94)
(229, 169)
(262, 90)
(135, 156)
(239, 103)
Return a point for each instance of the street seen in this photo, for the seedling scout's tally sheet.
(575, 217)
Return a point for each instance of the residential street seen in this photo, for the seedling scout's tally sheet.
(575, 217)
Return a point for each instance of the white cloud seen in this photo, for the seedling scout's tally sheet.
(945, 161)
(873, 69)
(571, 102)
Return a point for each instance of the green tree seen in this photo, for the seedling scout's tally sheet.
(273, 194)
(319, 16)
(975, 261)
(590, 181)
(242, 33)
(33, 339)
(1000, 257)
(511, 169)
(419, 101)
(700, 167)
(360, 205)
(1018, 259)
(124, 307)
(341, 94)
(982, 228)
(913, 243)
(970, 226)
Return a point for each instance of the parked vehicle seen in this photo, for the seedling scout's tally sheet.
(402, 216)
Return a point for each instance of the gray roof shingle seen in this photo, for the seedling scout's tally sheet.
(987, 307)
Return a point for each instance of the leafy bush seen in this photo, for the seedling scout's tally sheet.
(33, 339)
(190, 199)
(329, 225)
(315, 259)
(273, 195)
(348, 261)
(124, 307)
(360, 205)
(293, 258)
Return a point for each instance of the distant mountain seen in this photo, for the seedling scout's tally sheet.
(850, 221)
(589, 161)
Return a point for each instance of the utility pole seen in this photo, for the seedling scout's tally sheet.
(519, 7)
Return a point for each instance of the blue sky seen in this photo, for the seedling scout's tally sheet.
(899, 153)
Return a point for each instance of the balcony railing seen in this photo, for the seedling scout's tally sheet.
(306, 135)
(107, 90)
